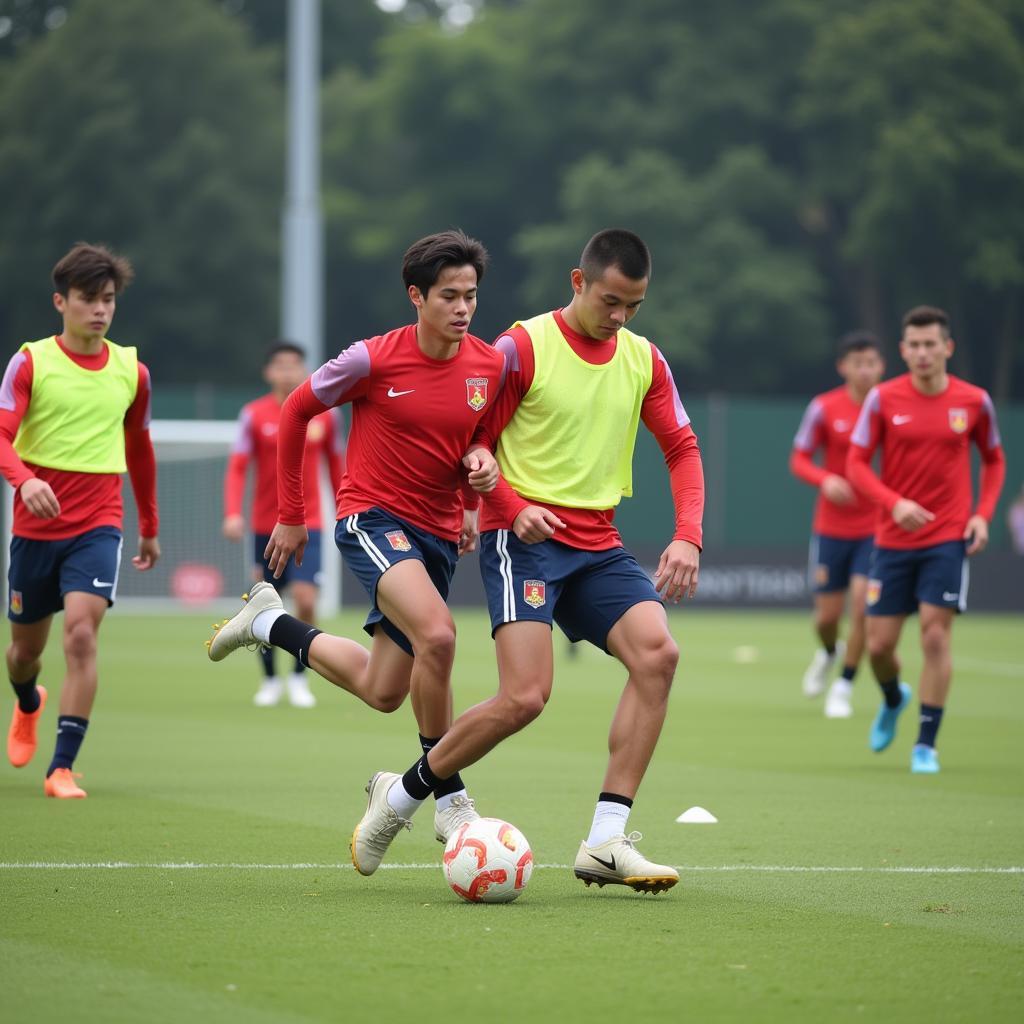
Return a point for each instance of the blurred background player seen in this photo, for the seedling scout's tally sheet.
(284, 369)
(844, 522)
(74, 415)
(924, 422)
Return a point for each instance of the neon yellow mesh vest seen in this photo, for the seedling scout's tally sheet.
(75, 419)
(570, 441)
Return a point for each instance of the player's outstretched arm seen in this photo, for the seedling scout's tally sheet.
(149, 554)
(284, 542)
(678, 571)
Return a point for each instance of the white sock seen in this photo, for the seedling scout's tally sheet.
(610, 820)
(444, 802)
(404, 805)
(263, 621)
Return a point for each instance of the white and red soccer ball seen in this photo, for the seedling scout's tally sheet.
(488, 861)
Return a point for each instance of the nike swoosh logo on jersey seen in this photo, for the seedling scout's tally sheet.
(898, 421)
(392, 393)
(609, 864)
(100, 583)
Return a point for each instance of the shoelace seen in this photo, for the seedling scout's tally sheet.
(632, 839)
(391, 827)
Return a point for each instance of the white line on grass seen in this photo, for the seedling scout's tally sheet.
(121, 865)
(1013, 670)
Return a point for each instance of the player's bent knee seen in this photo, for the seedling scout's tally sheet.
(519, 711)
(935, 641)
(388, 703)
(80, 639)
(22, 654)
(436, 645)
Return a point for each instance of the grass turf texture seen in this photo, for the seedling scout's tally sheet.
(181, 768)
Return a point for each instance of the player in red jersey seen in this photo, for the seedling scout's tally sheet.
(284, 369)
(924, 422)
(579, 383)
(844, 522)
(406, 506)
(74, 414)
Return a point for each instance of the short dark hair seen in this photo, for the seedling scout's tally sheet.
(924, 316)
(857, 341)
(424, 260)
(616, 247)
(283, 345)
(88, 268)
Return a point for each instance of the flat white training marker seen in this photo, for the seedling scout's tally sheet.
(697, 816)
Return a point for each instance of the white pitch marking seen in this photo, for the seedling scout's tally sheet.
(115, 865)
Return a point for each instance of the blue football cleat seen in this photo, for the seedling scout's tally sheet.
(924, 760)
(883, 729)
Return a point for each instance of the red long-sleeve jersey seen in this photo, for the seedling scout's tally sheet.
(826, 425)
(256, 442)
(413, 418)
(662, 413)
(925, 442)
(87, 500)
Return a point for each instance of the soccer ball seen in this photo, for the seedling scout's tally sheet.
(488, 861)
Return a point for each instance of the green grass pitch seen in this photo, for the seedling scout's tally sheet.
(811, 900)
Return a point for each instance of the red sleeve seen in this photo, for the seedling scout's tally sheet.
(334, 449)
(140, 457)
(664, 416)
(15, 393)
(517, 348)
(805, 444)
(803, 467)
(298, 409)
(866, 437)
(993, 461)
(238, 464)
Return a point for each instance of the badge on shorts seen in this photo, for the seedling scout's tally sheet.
(398, 540)
(958, 420)
(821, 575)
(15, 602)
(476, 392)
(533, 593)
(874, 591)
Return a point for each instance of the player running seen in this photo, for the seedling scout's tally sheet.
(565, 427)
(74, 415)
(406, 508)
(844, 522)
(924, 422)
(284, 369)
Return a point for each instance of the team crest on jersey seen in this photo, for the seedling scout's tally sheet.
(840, 426)
(398, 540)
(874, 591)
(533, 593)
(476, 392)
(958, 420)
(15, 602)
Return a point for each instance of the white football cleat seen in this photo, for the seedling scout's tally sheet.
(237, 631)
(269, 694)
(816, 676)
(378, 826)
(837, 702)
(460, 811)
(617, 861)
(299, 693)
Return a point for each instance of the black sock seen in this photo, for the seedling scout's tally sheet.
(849, 673)
(615, 798)
(891, 693)
(70, 733)
(830, 649)
(447, 786)
(267, 660)
(294, 636)
(931, 719)
(28, 696)
(299, 668)
(419, 781)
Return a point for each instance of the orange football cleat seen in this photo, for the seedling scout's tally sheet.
(21, 739)
(62, 785)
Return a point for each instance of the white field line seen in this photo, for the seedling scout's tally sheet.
(117, 865)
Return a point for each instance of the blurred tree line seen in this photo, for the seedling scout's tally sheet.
(799, 168)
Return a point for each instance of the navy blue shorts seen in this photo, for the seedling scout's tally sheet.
(371, 542)
(308, 572)
(585, 592)
(831, 562)
(902, 578)
(43, 571)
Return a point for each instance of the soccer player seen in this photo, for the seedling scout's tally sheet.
(74, 415)
(578, 384)
(924, 422)
(844, 522)
(406, 507)
(284, 369)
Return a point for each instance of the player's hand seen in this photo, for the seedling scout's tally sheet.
(39, 498)
(910, 516)
(535, 524)
(976, 534)
(234, 527)
(149, 554)
(470, 532)
(677, 572)
(284, 542)
(837, 489)
(483, 470)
